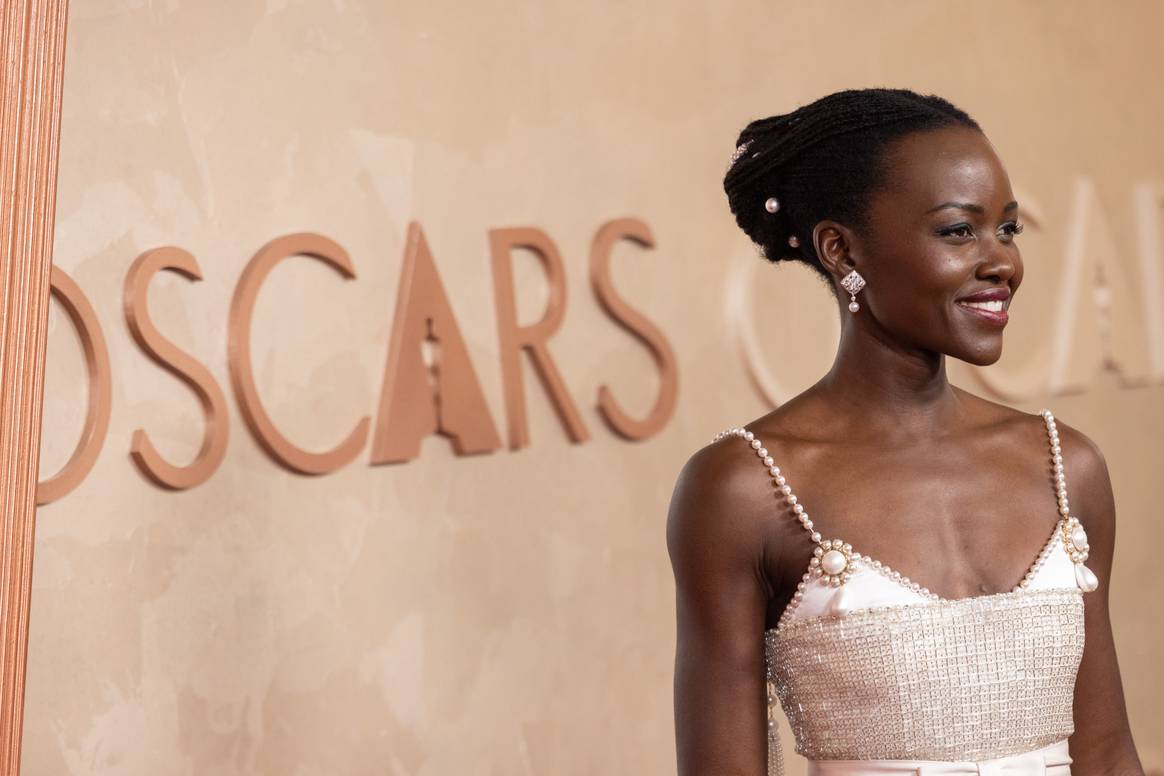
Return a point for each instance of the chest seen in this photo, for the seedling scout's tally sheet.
(960, 520)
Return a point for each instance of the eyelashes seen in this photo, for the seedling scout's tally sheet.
(966, 230)
(1015, 228)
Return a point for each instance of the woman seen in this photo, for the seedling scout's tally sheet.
(929, 616)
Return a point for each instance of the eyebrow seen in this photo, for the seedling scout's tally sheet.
(971, 207)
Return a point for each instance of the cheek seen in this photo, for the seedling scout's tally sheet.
(948, 275)
(918, 303)
(920, 282)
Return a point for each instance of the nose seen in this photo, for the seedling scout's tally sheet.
(1001, 263)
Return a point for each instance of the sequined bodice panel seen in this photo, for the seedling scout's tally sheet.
(869, 665)
(974, 678)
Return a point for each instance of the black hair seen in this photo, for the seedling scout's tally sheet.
(823, 160)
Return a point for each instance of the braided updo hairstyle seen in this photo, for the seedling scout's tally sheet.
(823, 160)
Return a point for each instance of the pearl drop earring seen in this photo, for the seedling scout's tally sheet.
(853, 282)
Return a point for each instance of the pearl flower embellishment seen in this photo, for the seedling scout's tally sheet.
(834, 560)
(1075, 539)
(1075, 542)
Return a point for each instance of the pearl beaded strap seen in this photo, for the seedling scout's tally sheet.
(1074, 537)
(774, 470)
(834, 559)
(1057, 460)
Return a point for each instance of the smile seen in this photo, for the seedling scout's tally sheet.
(993, 311)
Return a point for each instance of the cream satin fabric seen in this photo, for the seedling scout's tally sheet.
(867, 587)
(1050, 760)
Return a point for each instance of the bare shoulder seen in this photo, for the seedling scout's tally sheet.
(1085, 472)
(994, 415)
(1089, 489)
(1081, 453)
(716, 506)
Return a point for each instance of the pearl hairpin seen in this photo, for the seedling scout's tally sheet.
(740, 150)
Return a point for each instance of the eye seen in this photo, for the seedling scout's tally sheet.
(958, 230)
(1011, 229)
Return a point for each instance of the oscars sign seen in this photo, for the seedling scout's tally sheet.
(416, 399)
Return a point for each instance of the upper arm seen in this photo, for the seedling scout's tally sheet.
(1102, 742)
(715, 546)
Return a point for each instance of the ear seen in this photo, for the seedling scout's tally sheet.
(834, 245)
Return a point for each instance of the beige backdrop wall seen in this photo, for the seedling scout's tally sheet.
(511, 613)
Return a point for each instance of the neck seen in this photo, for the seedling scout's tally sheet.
(898, 394)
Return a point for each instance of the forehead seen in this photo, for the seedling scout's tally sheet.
(924, 169)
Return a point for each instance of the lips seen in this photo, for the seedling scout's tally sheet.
(989, 305)
(992, 311)
(986, 295)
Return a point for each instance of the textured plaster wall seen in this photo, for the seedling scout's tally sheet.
(508, 613)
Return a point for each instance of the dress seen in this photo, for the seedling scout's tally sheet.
(878, 675)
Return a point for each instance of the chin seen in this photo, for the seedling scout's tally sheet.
(983, 357)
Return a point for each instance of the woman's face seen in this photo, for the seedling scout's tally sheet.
(940, 229)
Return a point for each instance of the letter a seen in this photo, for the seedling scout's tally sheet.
(416, 399)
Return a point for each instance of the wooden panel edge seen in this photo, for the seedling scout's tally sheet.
(32, 54)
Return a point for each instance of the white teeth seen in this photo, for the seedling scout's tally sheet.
(995, 305)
